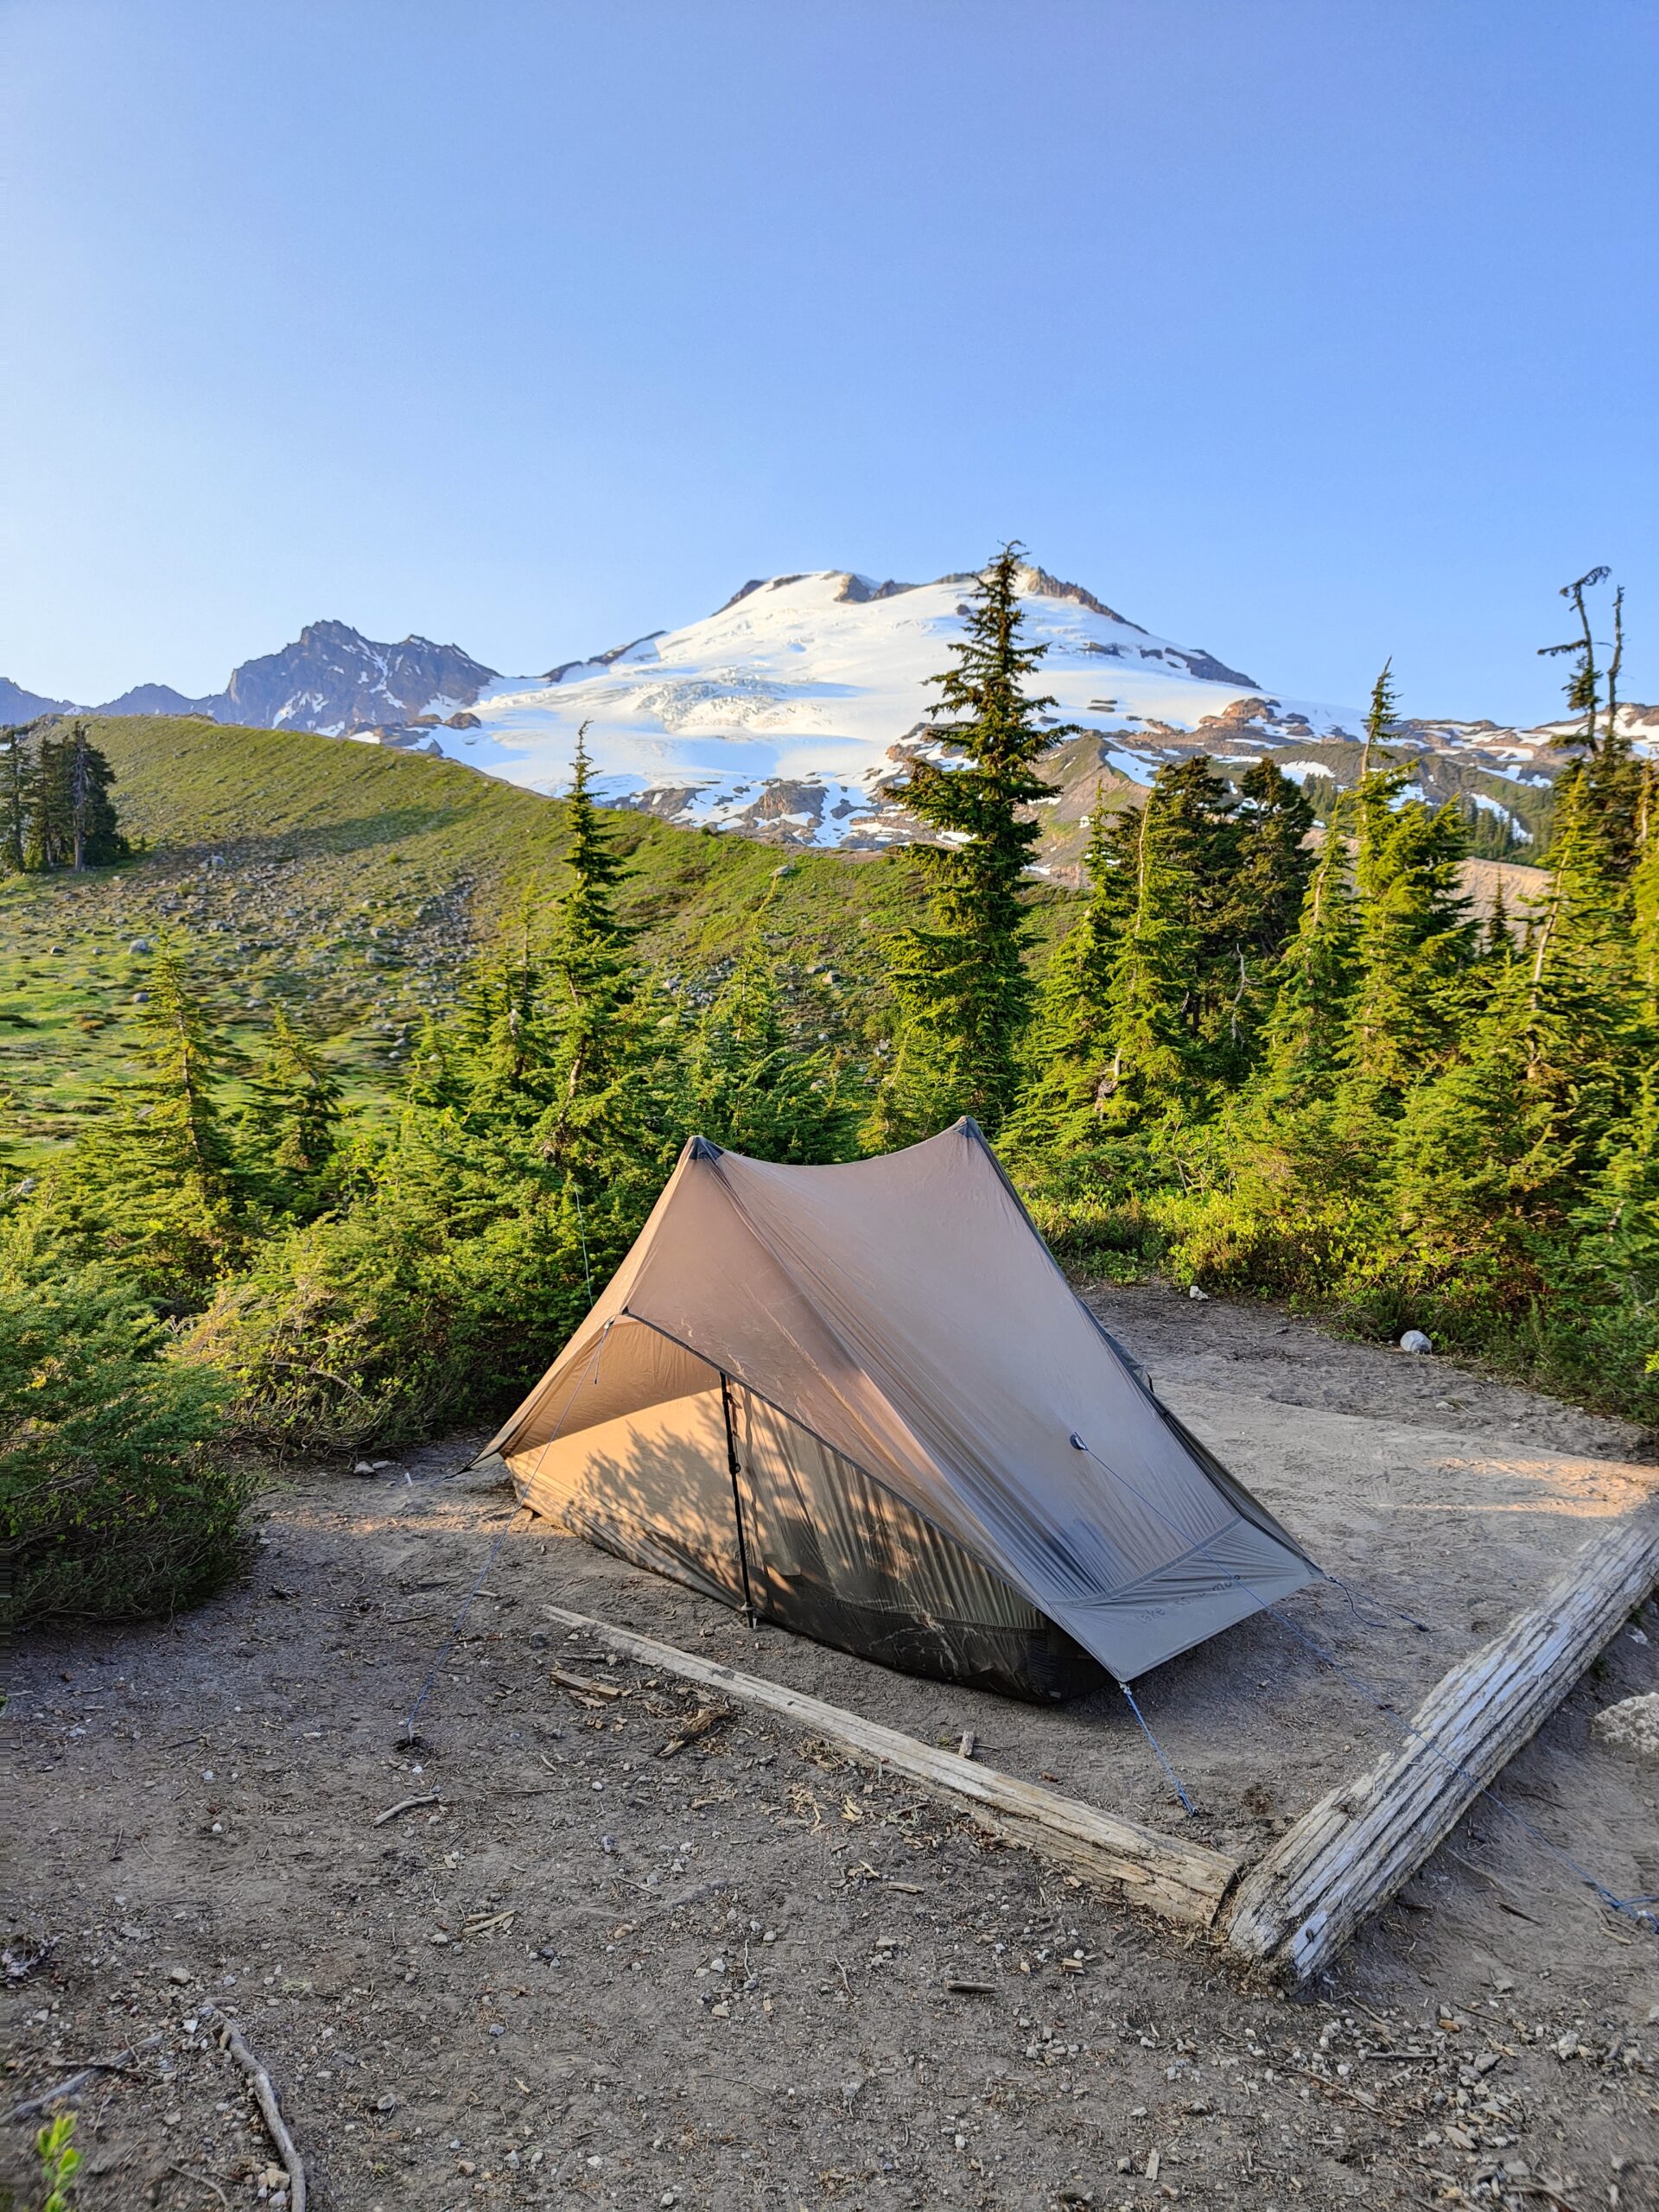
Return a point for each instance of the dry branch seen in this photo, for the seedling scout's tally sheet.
(265, 2097)
(404, 1805)
(76, 2083)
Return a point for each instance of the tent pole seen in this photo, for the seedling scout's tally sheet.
(737, 1494)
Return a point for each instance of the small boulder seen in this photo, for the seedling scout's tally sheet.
(1415, 1340)
(1630, 1726)
(1193, 1290)
(141, 945)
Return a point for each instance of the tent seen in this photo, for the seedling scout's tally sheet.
(864, 1403)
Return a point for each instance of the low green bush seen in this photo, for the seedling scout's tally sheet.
(116, 1497)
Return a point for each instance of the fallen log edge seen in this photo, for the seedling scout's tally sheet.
(1181, 1881)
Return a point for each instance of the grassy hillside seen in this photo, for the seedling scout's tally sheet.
(351, 883)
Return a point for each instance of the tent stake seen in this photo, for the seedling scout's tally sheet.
(737, 1498)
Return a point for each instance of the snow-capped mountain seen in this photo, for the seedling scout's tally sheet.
(331, 679)
(788, 713)
(336, 681)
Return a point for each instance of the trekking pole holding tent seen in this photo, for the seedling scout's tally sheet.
(737, 1496)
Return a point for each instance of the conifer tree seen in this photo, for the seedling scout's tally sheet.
(1260, 910)
(751, 1085)
(1381, 720)
(1072, 1039)
(1413, 943)
(157, 1187)
(1314, 984)
(71, 820)
(185, 1059)
(1157, 1063)
(961, 982)
(15, 770)
(1644, 896)
(512, 1039)
(293, 1123)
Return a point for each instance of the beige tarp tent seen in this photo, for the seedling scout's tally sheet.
(857, 1398)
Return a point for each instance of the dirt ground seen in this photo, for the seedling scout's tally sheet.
(580, 1972)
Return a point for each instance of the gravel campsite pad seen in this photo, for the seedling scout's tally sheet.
(623, 1944)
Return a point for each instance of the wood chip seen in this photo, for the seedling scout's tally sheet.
(705, 1718)
(567, 1680)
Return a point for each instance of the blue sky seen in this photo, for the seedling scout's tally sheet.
(1308, 330)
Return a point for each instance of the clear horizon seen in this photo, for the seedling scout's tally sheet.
(1309, 335)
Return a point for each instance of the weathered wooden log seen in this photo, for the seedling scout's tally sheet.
(1180, 1881)
(1301, 1902)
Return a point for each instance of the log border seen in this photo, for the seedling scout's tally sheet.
(1295, 1908)
(1302, 1901)
(1181, 1881)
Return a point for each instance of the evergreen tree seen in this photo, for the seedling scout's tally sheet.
(185, 1059)
(1159, 1064)
(512, 1041)
(1613, 776)
(1071, 1040)
(1260, 910)
(599, 995)
(1644, 898)
(15, 782)
(156, 1188)
(1381, 720)
(751, 1085)
(293, 1123)
(1414, 943)
(961, 982)
(1308, 1029)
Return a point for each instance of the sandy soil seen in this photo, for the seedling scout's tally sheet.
(589, 1975)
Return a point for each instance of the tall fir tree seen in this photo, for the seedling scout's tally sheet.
(292, 1124)
(963, 993)
(1070, 1046)
(1382, 721)
(15, 771)
(1159, 1064)
(753, 1081)
(1415, 941)
(1316, 976)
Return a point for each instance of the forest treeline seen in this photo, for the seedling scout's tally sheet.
(1270, 1055)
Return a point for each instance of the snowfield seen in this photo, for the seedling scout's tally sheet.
(796, 702)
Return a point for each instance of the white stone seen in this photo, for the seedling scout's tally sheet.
(1631, 1727)
(1415, 1340)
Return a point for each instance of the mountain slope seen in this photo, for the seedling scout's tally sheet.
(351, 883)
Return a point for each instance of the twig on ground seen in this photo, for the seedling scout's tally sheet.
(404, 1805)
(206, 2180)
(265, 2097)
(75, 2082)
(568, 1681)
